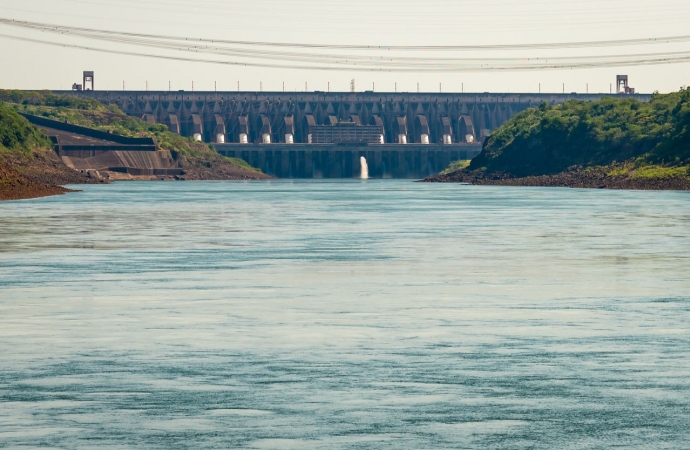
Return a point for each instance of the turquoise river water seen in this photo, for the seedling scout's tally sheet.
(382, 314)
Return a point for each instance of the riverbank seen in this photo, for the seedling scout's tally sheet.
(614, 143)
(16, 186)
(590, 178)
(37, 173)
(30, 167)
(41, 173)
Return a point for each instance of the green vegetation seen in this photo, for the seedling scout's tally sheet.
(240, 162)
(619, 170)
(28, 165)
(456, 165)
(199, 160)
(47, 98)
(655, 171)
(629, 137)
(17, 134)
(105, 119)
(93, 114)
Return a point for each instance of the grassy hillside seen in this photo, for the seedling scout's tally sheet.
(28, 165)
(93, 114)
(629, 137)
(200, 159)
(18, 135)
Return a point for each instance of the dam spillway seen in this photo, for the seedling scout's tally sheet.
(324, 134)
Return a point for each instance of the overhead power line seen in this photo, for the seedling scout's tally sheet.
(533, 46)
(638, 62)
(361, 58)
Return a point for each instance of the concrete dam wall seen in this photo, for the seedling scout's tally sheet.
(226, 116)
(304, 134)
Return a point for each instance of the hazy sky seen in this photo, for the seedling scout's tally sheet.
(374, 22)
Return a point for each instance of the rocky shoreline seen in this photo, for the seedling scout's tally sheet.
(578, 178)
(216, 168)
(16, 186)
(42, 173)
(29, 167)
(37, 174)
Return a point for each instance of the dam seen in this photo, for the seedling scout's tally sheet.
(325, 134)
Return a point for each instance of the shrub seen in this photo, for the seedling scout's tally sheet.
(549, 139)
(17, 134)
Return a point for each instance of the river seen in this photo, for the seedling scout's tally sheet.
(378, 314)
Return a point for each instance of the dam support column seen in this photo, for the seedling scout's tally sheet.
(256, 159)
(252, 158)
(388, 164)
(395, 164)
(277, 163)
(414, 160)
(346, 161)
(292, 164)
(285, 164)
(378, 162)
(318, 170)
(356, 166)
(262, 160)
(402, 161)
(394, 168)
(268, 162)
(333, 164)
(342, 162)
(327, 160)
(308, 164)
(299, 165)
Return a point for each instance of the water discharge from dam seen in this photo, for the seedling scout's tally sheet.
(365, 168)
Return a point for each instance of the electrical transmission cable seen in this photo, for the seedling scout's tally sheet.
(538, 46)
(364, 58)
